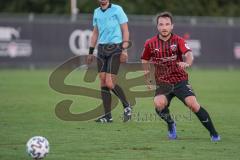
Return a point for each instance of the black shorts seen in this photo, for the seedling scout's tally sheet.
(108, 58)
(181, 90)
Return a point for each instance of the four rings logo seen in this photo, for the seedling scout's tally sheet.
(79, 41)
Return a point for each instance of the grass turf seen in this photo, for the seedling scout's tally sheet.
(28, 104)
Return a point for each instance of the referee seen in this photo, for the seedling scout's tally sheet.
(110, 31)
(166, 51)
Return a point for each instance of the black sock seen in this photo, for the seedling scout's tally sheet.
(165, 115)
(117, 90)
(206, 121)
(107, 100)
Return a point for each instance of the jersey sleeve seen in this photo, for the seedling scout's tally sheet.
(122, 17)
(183, 46)
(146, 53)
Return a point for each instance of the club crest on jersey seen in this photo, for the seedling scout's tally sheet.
(156, 51)
(173, 47)
(187, 46)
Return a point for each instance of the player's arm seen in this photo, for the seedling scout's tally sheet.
(146, 69)
(93, 42)
(186, 52)
(145, 59)
(147, 76)
(125, 35)
(188, 60)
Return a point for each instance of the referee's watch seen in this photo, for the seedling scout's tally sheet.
(91, 50)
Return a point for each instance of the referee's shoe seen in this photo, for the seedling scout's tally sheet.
(104, 119)
(127, 114)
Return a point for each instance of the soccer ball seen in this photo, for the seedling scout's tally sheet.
(37, 147)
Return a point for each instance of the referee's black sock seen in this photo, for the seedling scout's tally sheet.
(206, 121)
(107, 100)
(117, 90)
(165, 115)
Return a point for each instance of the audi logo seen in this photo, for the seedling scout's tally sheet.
(79, 41)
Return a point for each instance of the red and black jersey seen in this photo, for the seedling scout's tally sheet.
(165, 55)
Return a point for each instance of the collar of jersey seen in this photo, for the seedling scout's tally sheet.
(109, 6)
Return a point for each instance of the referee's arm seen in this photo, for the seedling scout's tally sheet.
(125, 34)
(93, 43)
(94, 37)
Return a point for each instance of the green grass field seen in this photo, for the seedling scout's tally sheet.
(28, 104)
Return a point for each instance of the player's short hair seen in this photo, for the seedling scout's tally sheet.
(164, 15)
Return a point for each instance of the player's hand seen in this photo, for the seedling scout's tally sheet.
(123, 57)
(148, 80)
(90, 58)
(149, 85)
(183, 65)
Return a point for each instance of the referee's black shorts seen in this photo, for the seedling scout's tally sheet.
(181, 90)
(108, 58)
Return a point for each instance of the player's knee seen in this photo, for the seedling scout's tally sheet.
(103, 83)
(110, 85)
(160, 103)
(192, 104)
(195, 107)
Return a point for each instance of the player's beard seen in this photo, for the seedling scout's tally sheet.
(166, 34)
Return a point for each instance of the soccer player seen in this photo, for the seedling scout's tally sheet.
(110, 31)
(166, 51)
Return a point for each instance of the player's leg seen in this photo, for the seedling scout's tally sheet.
(162, 103)
(203, 116)
(185, 93)
(111, 82)
(161, 107)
